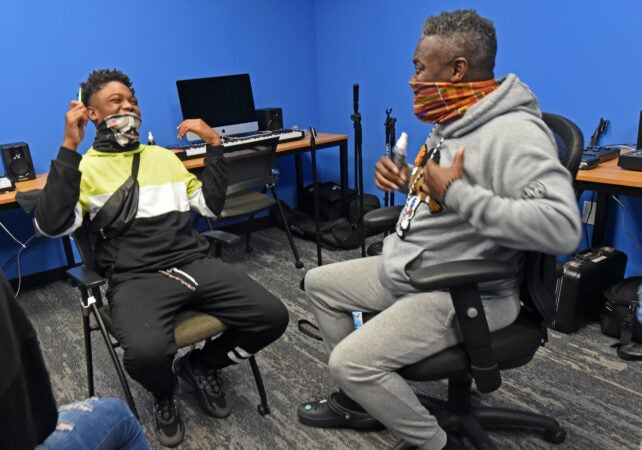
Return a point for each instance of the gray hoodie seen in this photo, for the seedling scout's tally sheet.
(515, 194)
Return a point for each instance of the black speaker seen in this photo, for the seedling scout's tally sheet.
(269, 118)
(17, 161)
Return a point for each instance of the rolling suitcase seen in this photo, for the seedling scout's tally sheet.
(581, 283)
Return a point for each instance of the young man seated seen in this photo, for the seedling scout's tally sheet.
(156, 263)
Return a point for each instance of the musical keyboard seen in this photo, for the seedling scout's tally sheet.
(232, 145)
(289, 135)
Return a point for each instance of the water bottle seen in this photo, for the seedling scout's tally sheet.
(357, 317)
(399, 152)
(150, 139)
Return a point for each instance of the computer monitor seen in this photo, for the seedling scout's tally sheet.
(226, 103)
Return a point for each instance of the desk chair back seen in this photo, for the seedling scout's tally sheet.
(569, 139)
(251, 175)
(251, 169)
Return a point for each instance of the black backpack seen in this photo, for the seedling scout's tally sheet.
(618, 316)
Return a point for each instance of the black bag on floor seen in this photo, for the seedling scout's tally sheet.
(580, 285)
(618, 317)
(329, 200)
(330, 204)
(335, 230)
(337, 233)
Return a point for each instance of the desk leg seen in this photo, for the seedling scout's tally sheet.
(599, 227)
(298, 166)
(343, 173)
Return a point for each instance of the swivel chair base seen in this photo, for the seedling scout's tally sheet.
(459, 417)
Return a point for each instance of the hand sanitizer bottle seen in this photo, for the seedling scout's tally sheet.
(399, 151)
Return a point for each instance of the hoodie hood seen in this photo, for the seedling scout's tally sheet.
(512, 95)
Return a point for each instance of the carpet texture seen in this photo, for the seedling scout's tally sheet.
(576, 378)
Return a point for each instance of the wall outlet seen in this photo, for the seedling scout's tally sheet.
(588, 213)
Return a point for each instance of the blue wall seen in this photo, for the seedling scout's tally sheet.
(48, 48)
(581, 58)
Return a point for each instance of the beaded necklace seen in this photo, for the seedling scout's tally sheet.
(415, 195)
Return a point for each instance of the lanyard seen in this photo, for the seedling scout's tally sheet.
(415, 195)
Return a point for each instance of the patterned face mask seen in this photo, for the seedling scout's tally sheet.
(118, 132)
(440, 102)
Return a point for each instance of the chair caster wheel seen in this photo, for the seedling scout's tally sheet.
(262, 409)
(298, 264)
(556, 436)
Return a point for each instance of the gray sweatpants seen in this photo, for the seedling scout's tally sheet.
(408, 329)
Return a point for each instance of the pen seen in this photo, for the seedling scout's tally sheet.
(80, 94)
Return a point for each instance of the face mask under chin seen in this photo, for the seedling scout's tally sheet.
(118, 132)
(441, 102)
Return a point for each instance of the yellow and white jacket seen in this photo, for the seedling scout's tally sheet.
(161, 235)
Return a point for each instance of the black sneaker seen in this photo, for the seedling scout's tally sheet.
(208, 387)
(169, 426)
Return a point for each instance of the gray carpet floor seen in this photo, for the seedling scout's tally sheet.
(576, 378)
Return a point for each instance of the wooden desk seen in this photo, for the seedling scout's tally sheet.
(8, 199)
(607, 179)
(324, 140)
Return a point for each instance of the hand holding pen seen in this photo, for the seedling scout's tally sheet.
(75, 121)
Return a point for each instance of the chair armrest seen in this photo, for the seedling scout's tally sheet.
(86, 277)
(462, 278)
(221, 237)
(382, 217)
(459, 273)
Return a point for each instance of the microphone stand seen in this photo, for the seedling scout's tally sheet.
(356, 119)
(390, 143)
(376, 248)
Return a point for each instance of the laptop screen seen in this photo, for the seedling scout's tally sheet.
(226, 103)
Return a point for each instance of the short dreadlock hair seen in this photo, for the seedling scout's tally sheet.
(470, 33)
(98, 78)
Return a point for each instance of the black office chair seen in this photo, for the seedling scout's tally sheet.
(483, 355)
(251, 176)
(190, 328)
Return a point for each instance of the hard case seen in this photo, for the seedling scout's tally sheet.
(581, 283)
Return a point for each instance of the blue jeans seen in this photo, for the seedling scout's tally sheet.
(96, 423)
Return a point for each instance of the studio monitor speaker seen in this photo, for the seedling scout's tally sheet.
(17, 161)
(269, 118)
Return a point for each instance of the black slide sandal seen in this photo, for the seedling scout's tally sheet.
(330, 414)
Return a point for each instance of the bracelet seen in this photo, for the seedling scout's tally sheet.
(446, 186)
